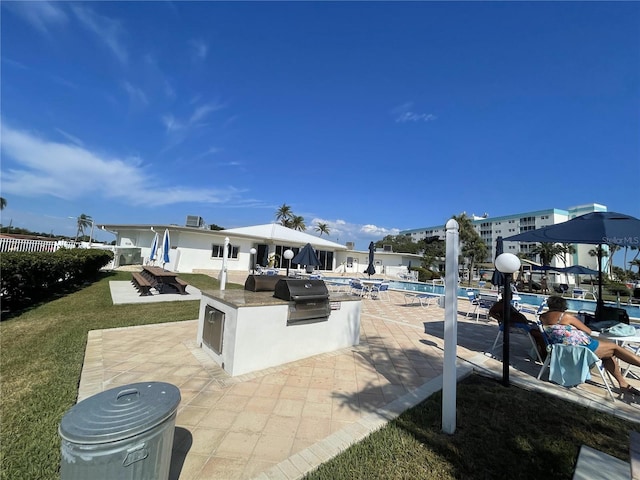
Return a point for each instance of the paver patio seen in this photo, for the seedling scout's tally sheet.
(284, 421)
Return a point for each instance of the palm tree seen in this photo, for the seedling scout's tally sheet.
(472, 246)
(284, 215)
(3, 203)
(322, 228)
(297, 223)
(549, 250)
(84, 221)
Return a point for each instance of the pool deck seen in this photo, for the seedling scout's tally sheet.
(283, 422)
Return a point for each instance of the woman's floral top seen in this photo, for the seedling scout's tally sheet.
(567, 335)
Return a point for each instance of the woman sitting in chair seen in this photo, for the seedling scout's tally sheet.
(562, 327)
(518, 320)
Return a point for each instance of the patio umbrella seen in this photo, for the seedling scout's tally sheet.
(574, 269)
(371, 268)
(166, 246)
(596, 228)
(497, 278)
(306, 256)
(154, 248)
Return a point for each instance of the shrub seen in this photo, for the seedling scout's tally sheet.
(29, 277)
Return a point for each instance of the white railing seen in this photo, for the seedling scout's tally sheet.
(28, 245)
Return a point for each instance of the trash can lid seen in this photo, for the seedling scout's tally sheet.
(120, 413)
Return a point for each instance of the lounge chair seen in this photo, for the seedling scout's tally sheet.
(425, 299)
(474, 303)
(377, 291)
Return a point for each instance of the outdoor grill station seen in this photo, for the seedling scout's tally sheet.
(273, 321)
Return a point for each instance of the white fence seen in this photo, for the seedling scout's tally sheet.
(27, 245)
(121, 255)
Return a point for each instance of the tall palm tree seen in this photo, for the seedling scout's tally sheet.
(3, 203)
(472, 247)
(84, 221)
(547, 251)
(322, 228)
(284, 215)
(297, 223)
(635, 263)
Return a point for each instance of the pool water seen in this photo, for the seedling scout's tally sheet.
(527, 298)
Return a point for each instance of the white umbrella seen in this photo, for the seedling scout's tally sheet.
(154, 248)
(166, 246)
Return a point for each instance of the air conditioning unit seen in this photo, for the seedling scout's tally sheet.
(194, 221)
(350, 245)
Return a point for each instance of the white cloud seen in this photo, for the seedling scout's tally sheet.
(403, 113)
(136, 95)
(341, 231)
(35, 167)
(199, 49)
(70, 137)
(202, 111)
(378, 231)
(171, 124)
(106, 30)
(40, 15)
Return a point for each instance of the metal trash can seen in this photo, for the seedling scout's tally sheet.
(125, 433)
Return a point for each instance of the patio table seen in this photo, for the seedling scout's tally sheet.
(164, 279)
(631, 342)
(368, 285)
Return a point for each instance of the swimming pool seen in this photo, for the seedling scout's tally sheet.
(528, 298)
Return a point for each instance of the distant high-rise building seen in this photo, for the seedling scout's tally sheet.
(490, 228)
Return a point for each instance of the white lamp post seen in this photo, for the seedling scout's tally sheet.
(288, 255)
(253, 252)
(506, 263)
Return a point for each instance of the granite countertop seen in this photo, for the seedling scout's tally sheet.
(246, 298)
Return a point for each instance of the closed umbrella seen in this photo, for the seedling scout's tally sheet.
(154, 248)
(166, 246)
(306, 256)
(371, 268)
(596, 228)
(497, 278)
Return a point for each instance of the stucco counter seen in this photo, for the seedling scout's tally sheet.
(246, 331)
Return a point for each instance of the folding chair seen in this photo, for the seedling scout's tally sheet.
(569, 366)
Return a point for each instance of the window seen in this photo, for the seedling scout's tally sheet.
(217, 251)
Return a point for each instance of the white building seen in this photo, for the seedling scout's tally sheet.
(197, 248)
(490, 228)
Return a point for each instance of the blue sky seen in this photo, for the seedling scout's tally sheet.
(372, 117)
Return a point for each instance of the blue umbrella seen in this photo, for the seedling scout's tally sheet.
(166, 246)
(575, 269)
(154, 248)
(596, 228)
(497, 278)
(306, 256)
(371, 268)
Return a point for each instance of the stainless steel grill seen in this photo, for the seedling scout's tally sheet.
(310, 300)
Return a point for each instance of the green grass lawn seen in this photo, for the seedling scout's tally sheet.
(502, 433)
(41, 354)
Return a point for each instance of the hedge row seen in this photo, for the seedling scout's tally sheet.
(30, 277)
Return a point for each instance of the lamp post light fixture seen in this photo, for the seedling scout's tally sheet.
(506, 263)
(253, 252)
(288, 254)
